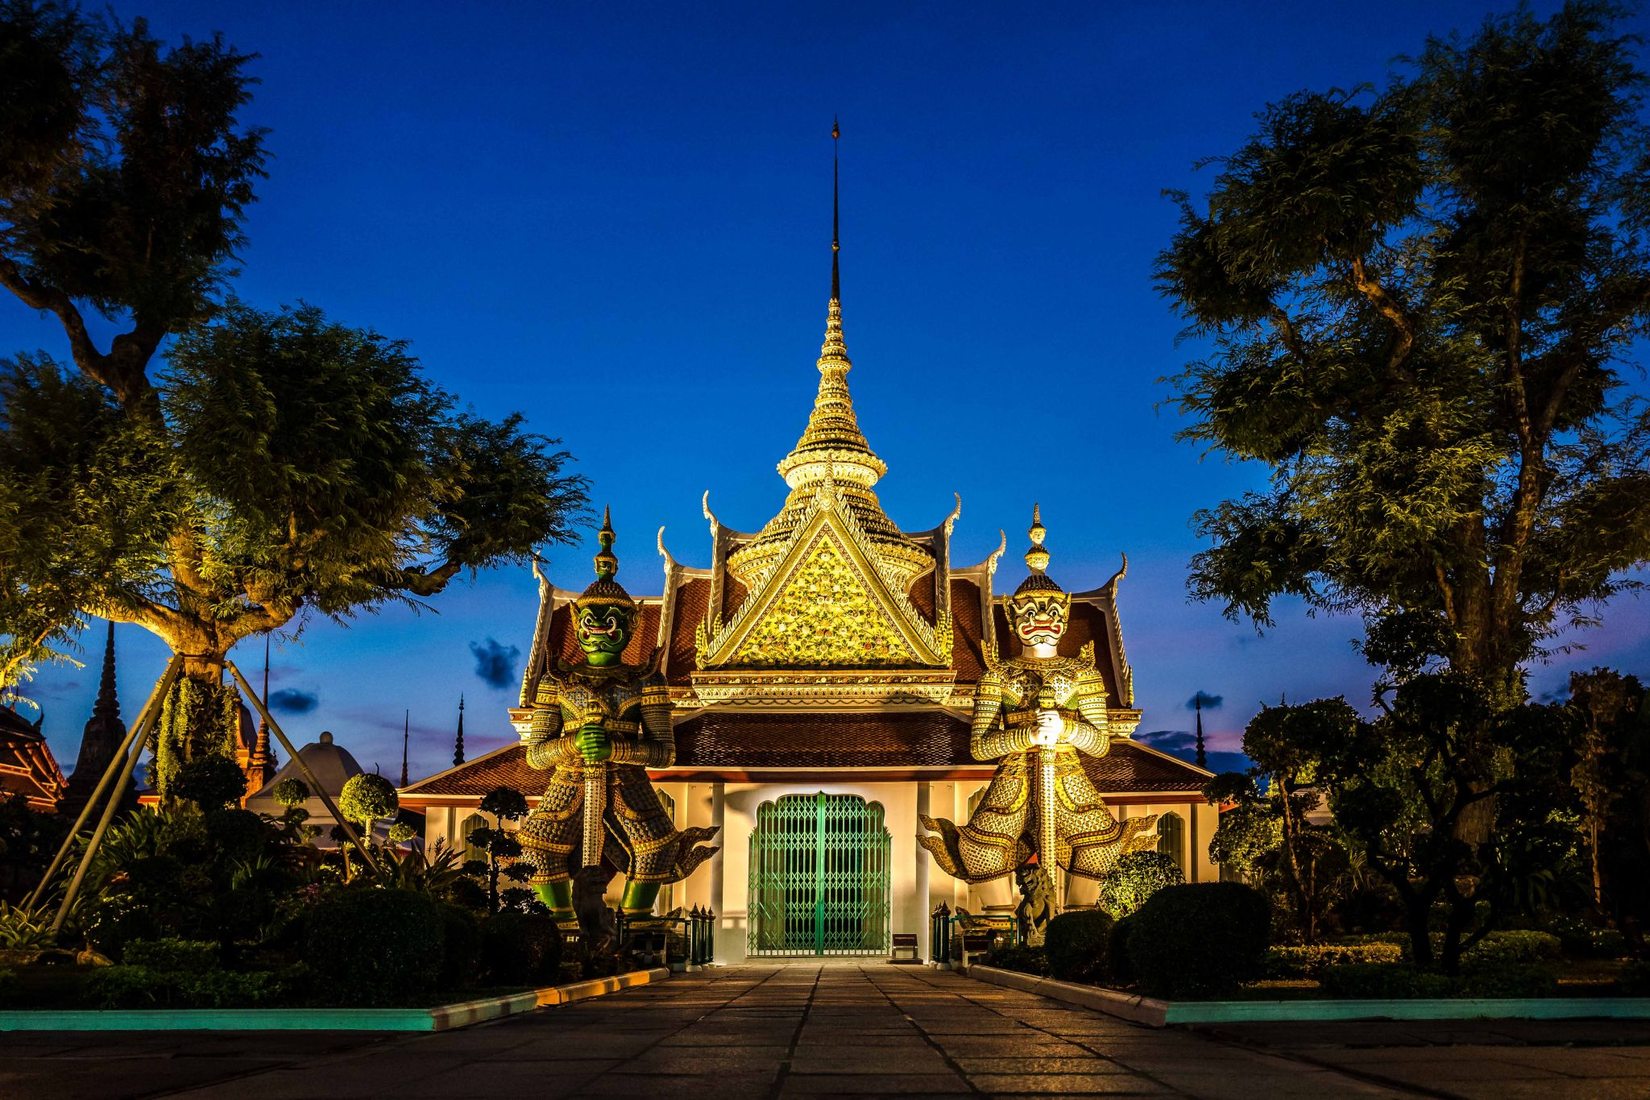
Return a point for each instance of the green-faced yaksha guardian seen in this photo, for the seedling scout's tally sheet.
(597, 727)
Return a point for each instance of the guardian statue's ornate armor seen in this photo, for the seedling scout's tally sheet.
(1038, 714)
(597, 727)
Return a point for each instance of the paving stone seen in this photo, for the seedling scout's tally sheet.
(1066, 1084)
(872, 1084)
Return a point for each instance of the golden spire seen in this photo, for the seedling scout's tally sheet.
(833, 431)
(832, 463)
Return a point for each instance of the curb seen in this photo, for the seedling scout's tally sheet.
(1155, 1013)
(1125, 1006)
(439, 1018)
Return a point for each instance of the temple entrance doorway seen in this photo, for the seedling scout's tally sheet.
(819, 877)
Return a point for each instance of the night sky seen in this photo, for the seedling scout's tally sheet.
(616, 219)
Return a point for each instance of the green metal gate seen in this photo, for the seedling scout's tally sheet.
(819, 877)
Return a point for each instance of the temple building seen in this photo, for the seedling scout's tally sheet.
(822, 673)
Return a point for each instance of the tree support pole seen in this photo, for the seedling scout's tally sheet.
(140, 727)
(309, 776)
(173, 670)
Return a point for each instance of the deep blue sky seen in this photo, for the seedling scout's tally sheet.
(616, 219)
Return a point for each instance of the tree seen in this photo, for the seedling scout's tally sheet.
(1611, 778)
(505, 804)
(1419, 299)
(283, 465)
(367, 799)
(1399, 787)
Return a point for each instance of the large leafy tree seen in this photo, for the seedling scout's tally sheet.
(282, 464)
(1420, 298)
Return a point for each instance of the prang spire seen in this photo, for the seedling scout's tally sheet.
(832, 440)
(458, 742)
(101, 739)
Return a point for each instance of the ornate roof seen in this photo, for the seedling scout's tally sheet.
(27, 766)
(757, 747)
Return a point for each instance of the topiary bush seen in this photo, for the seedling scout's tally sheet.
(1510, 979)
(210, 782)
(1200, 940)
(1137, 876)
(375, 947)
(1077, 943)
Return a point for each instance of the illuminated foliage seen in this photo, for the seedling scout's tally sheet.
(282, 465)
(1420, 299)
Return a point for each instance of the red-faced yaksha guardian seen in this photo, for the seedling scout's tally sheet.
(597, 727)
(1038, 714)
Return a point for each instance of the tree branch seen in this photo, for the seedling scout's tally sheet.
(1388, 307)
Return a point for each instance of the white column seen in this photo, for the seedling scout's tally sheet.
(718, 898)
(924, 902)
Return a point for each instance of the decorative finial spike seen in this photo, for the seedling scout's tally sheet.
(607, 563)
(1037, 556)
(836, 218)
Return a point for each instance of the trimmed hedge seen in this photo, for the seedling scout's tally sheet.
(1026, 960)
(375, 947)
(1077, 944)
(460, 947)
(1120, 970)
(1310, 961)
(519, 949)
(1200, 940)
(186, 956)
(1384, 981)
(1513, 947)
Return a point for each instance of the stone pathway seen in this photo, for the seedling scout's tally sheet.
(838, 1029)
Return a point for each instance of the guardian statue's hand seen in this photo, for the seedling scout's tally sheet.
(593, 744)
(1050, 729)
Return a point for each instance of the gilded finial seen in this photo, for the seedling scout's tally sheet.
(1037, 556)
(836, 220)
(607, 562)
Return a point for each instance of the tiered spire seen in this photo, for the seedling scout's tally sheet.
(458, 742)
(102, 737)
(832, 442)
(832, 460)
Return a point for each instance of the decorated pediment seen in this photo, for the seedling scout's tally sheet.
(827, 602)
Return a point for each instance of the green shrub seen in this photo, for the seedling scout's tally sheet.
(1200, 940)
(1634, 979)
(1119, 967)
(460, 947)
(1076, 943)
(519, 949)
(1510, 979)
(237, 833)
(1513, 947)
(170, 953)
(1137, 876)
(375, 947)
(145, 987)
(1309, 962)
(1027, 960)
(1384, 981)
(210, 782)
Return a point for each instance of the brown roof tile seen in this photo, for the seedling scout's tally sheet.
(692, 598)
(966, 634)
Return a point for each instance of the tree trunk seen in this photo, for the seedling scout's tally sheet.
(201, 715)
